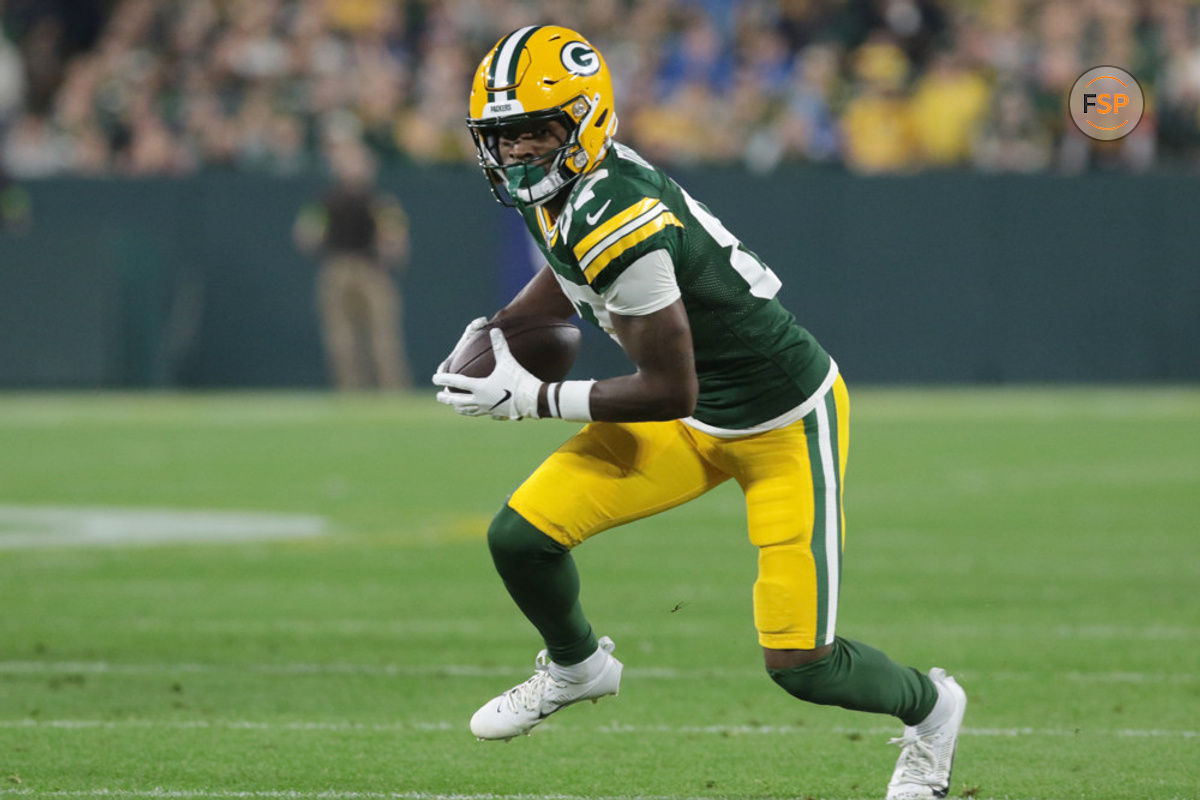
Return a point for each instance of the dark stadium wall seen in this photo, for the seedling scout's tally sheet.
(963, 278)
(931, 278)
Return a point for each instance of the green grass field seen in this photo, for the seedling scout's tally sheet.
(1041, 545)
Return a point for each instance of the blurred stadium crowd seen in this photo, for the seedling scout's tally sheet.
(169, 87)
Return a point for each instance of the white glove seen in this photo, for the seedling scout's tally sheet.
(510, 392)
(473, 327)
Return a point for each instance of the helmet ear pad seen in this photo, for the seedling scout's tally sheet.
(589, 116)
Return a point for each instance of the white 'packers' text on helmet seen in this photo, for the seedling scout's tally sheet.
(538, 74)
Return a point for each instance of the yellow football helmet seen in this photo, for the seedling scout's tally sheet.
(536, 74)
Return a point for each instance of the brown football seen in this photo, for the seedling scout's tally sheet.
(542, 344)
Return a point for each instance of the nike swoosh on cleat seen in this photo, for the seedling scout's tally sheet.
(591, 218)
(507, 394)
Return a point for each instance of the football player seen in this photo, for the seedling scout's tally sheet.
(727, 385)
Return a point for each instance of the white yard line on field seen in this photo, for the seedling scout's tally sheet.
(486, 671)
(232, 725)
(609, 728)
(288, 794)
(45, 526)
(335, 668)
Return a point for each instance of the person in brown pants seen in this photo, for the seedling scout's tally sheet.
(362, 236)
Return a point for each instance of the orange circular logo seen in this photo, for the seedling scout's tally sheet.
(1106, 103)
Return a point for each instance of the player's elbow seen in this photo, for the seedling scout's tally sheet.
(677, 398)
(689, 396)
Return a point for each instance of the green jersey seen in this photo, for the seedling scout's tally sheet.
(758, 369)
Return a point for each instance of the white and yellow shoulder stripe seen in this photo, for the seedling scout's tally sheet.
(618, 233)
(549, 228)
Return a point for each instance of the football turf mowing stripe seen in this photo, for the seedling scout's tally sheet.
(331, 794)
(350, 662)
(615, 728)
(292, 794)
(475, 670)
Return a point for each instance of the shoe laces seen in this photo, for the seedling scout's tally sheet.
(918, 761)
(529, 695)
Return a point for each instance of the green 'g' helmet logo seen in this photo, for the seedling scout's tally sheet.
(580, 59)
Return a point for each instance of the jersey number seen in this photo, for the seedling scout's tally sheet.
(763, 282)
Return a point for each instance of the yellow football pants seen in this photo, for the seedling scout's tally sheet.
(612, 473)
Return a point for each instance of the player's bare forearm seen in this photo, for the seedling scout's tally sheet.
(540, 296)
(665, 385)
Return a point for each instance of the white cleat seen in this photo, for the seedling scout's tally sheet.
(525, 705)
(926, 759)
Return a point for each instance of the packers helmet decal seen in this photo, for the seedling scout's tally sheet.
(534, 75)
(580, 59)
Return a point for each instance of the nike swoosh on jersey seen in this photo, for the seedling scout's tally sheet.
(593, 218)
(507, 394)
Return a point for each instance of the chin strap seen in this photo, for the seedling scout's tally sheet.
(544, 189)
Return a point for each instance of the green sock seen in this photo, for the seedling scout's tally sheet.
(856, 676)
(540, 575)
